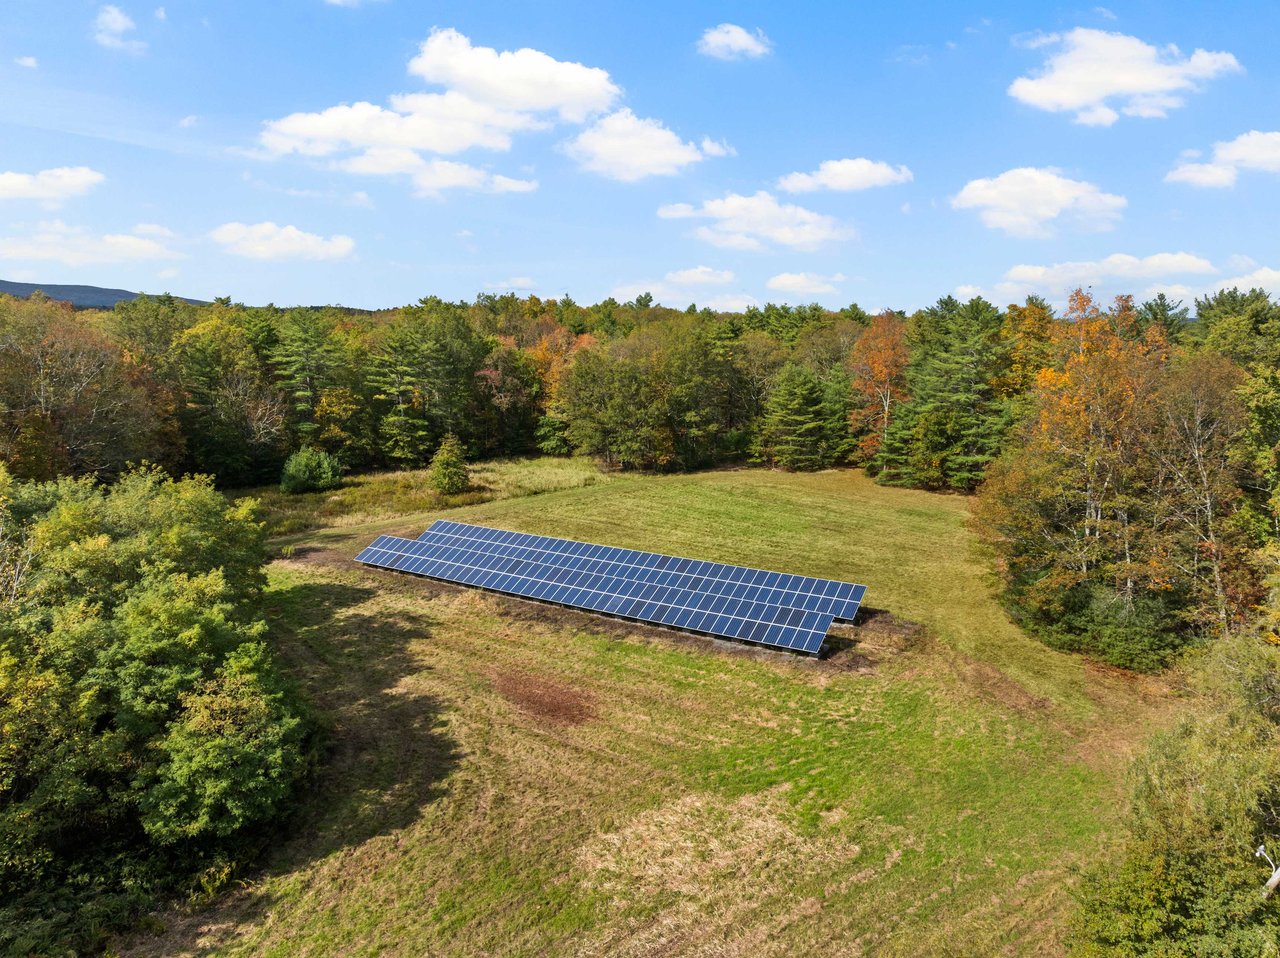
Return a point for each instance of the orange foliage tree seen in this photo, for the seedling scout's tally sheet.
(1113, 517)
(878, 363)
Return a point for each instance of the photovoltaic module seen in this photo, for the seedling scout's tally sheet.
(753, 605)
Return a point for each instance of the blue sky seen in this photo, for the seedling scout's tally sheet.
(369, 153)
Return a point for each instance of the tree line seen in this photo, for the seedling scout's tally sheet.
(1124, 458)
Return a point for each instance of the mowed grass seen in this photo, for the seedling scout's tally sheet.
(507, 781)
(377, 495)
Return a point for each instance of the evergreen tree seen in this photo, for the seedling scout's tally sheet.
(449, 468)
(1171, 317)
(954, 424)
(304, 358)
(795, 432)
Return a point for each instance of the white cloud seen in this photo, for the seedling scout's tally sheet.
(435, 122)
(1264, 277)
(1248, 151)
(432, 177)
(1119, 272)
(1092, 69)
(75, 246)
(489, 97)
(168, 273)
(110, 28)
(729, 41)
(731, 302)
(678, 297)
(845, 175)
(187, 122)
(712, 147)
(805, 284)
(1104, 13)
(1025, 201)
(681, 287)
(521, 80)
(51, 186)
(161, 13)
(268, 241)
(31, 63)
(748, 222)
(623, 146)
(699, 276)
(1113, 267)
(515, 283)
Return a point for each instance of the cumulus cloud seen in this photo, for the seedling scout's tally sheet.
(520, 80)
(489, 97)
(50, 186)
(446, 123)
(623, 146)
(1248, 151)
(188, 121)
(1115, 266)
(845, 175)
(111, 29)
(1119, 272)
(750, 222)
(432, 177)
(267, 241)
(728, 41)
(805, 284)
(680, 287)
(57, 242)
(1264, 277)
(678, 297)
(31, 63)
(1099, 75)
(1027, 200)
(699, 276)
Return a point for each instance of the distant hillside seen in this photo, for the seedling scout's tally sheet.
(82, 297)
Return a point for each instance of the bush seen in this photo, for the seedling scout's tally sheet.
(449, 474)
(1184, 880)
(310, 470)
(146, 733)
(1141, 635)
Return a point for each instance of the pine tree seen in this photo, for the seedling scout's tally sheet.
(449, 468)
(954, 424)
(795, 432)
(304, 359)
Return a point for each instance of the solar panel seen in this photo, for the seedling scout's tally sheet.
(791, 612)
(842, 599)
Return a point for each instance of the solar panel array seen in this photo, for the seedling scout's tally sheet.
(770, 608)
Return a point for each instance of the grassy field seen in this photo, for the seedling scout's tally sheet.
(505, 780)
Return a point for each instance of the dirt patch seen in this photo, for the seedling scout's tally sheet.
(876, 636)
(994, 684)
(314, 556)
(545, 698)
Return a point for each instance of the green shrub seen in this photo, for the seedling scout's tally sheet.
(144, 732)
(310, 470)
(449, 474)
(1141, 635)
(1184, 880)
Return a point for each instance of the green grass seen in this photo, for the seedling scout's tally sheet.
(376, 495)
(710, 802)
